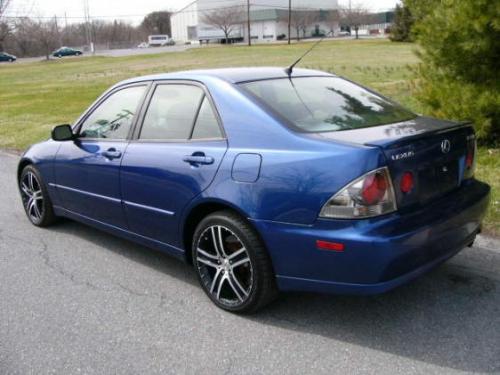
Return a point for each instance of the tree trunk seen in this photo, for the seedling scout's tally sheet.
(356, 28)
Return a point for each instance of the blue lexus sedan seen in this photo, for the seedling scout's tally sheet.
(264, 180)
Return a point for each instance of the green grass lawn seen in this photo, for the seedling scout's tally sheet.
(35, 96)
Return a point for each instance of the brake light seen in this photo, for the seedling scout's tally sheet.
(368, 196)
(406, 183)
(470, 156)
(469, 160)
(374, 188)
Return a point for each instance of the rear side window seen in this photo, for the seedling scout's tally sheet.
(322, 104)
(206, 125)
(113, 118)
(171, 112)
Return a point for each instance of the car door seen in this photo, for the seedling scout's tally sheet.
(174, 157)
(87, 170)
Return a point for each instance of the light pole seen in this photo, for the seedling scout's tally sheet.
(289, 19)
(248, 23)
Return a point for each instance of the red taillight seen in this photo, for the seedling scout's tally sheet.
(368, 196)
(470, 156)
(326, 245)
(374, 188)
(406, 183)
(469, 159)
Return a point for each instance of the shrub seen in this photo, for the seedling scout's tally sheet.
(403, 22)
(458, 76)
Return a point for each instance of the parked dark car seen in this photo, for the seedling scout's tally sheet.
(264, 180)
(4, 56)
(66, 51)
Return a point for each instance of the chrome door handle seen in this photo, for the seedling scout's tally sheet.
(198, 159)
(112, 153)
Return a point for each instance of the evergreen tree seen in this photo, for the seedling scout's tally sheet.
(403, 22)
(459, 73)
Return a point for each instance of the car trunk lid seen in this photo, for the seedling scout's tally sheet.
(433, 151)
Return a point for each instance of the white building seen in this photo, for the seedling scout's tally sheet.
(268, 20)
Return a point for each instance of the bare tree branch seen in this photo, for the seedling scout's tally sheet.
(355, 16)
(225, 19)
(3, 7)
(4, 26)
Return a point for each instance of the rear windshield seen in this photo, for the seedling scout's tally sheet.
(322, 104)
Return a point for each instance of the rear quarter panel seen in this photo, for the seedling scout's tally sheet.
(298, 172)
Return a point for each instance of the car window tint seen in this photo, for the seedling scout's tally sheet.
(318, 104)
(171, 113)
(114, 117)
(206, 124)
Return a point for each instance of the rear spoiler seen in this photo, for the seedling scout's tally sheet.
(392, 134)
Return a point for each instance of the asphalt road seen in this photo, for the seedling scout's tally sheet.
(111, 53)
(76, 300)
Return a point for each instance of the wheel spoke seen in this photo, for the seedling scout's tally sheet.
(31, 181)
(208, 262)
(204, 253)
(33, 209)
(215, 241)
(29, 204)
(233, 279)
(26, 190)
(237, 253)
(221, 241)
(231, 283)
(38, 213)
(214, 281)
(222, 279)
(240, 262)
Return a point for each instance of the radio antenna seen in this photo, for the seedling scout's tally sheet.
(289, 70)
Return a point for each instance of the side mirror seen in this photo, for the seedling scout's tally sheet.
(62, 133)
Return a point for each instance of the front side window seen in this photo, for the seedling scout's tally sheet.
(321, 104)
(172, 112)
(113, 118)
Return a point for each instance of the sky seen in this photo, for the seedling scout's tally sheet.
(130, 10)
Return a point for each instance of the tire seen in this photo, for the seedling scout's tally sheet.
(237, 277)
(11, 60)
(35, 198)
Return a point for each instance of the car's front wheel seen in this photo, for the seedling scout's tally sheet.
(232, 264)
(36, 200)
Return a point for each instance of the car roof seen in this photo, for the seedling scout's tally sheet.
(232, 75)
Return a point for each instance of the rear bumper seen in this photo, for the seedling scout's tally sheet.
(380, 254)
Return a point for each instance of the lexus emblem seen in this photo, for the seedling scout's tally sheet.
(445, 146)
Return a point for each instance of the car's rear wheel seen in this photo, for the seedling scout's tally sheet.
(36, 200)
(232, 265)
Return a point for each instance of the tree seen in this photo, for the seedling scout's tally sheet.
(157, 23)
(355, 16)
(332, 19)
(403, 22)
(25, 36)
(458, 76)
(300, 20)
(47, 36)
(225, 19)
(4, 26)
